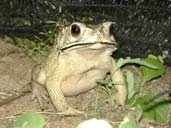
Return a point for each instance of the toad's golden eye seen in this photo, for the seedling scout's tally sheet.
(75, 30)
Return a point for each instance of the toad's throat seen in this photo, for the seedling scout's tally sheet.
(85, 44)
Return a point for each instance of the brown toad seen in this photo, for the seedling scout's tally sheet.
(81, 55)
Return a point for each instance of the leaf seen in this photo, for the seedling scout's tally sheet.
(139, 112)
(30, 120)
(138, 61)
(148, 73)
(128, 123)
(161, 59)
(130, 81)
(157, 111)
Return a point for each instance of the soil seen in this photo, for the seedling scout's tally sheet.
(15, 72)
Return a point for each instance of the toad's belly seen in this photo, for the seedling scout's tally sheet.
(81, 83)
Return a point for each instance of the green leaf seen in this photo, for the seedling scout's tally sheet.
(138, 61)
(161, 59)
(130, 81)
(128, 123)
(157, 110)
(139, 112)
(148, 73)
(158, 113)
(30, 120)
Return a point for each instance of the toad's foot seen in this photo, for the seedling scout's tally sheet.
(121, 94)
(119, 107)
(39, 94)
(119, 80)
(72, 112)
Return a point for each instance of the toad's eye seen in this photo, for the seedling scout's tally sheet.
(75, 30)
(111, 29)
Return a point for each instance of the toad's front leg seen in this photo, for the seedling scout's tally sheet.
(120, 84)
(53, 85)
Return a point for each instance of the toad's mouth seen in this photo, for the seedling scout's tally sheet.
(86, 44)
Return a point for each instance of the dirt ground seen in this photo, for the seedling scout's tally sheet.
(15, 70)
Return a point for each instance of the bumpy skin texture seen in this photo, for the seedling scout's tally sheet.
(81, 55)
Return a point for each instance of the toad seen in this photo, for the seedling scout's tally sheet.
(81, 56)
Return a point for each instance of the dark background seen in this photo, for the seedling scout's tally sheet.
(141, 27)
